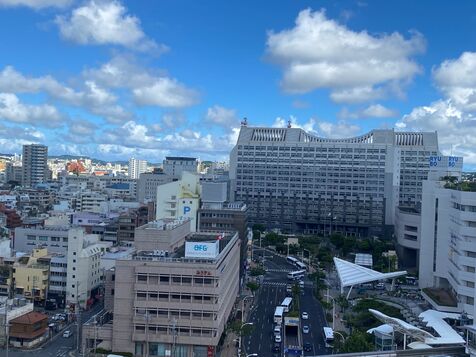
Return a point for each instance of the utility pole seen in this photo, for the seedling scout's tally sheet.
(95, 333)
(78, 320)
(7, 337)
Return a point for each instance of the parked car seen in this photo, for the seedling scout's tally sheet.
(277, 338)
(307, 346)
(276, 348)
(304, 315)
(305, 329)
(67, 334)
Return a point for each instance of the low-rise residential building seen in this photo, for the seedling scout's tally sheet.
(31, 275)
(14, 308)
(54, 238)
(28, 330)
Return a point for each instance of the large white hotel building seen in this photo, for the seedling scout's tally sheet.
(298, 182)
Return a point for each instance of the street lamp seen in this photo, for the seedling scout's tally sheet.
(241, 329)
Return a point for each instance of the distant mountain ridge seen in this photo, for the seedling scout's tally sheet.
(76, 157)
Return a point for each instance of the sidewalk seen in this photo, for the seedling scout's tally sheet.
(229, 348)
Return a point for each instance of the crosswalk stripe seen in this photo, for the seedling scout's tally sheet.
(280, 270)
(273, 283)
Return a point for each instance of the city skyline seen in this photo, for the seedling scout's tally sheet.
(119, 79)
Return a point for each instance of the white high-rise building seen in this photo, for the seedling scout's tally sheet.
(296, 181)
(448, 244)
(136, 167)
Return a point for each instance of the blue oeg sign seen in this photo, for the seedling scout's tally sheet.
(186, 209)
(200, 248)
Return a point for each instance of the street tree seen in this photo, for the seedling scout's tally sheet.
(356, 342)
(252, 286)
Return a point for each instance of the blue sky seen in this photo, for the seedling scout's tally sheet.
(116, 79)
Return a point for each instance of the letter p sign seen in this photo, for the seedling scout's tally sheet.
(186, 210)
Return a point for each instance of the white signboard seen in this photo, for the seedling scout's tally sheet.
(202, 249)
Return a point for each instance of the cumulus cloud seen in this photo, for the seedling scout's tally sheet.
(453, 116)
(456, 78)
(143, 137)
(148, 87)
(372, 111)
(82, 127)
(224, 117)
(456, 128)
(105, 22)
(341, 129)
(21, 133)
(12, 109)
(36, 4)
(90, 96)
(167, 93)
(356, 66)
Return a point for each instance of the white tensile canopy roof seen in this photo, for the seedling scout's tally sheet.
(402, 326)
(434, 319)
(351, 274)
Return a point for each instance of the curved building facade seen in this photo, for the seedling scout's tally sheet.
(298, 182)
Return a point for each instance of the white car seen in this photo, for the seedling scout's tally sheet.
(304, 315)
(305, 329)
(277, 338)
(67, 334)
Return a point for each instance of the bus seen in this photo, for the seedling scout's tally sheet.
(329, 334)
(278, 315)
(291, 260)
(287, 304)
(296, 275)
(301, 265)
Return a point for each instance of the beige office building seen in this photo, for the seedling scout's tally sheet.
(175, 303)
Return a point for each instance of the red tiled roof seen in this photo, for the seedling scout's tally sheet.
(29, 318)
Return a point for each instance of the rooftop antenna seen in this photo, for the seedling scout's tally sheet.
(244, 122)
(289, 124)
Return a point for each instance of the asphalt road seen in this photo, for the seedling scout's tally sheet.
(58, 346)
(271, 293)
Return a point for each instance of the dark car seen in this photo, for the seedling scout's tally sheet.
(276, 347)
(307, 346)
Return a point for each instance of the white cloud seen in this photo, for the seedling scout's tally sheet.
(453, 116)
(456, 128)
(356, 66)
(337, 130)
(13, 110)
(21, 133)
(221, 116)
(149, 87)
(456, 78)
(166, 92)
(36, 4)
(105, 22)
(90, 96)
(281, 122)
(82, 127)
(173, 120)
(317, 127)
(372, 111)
